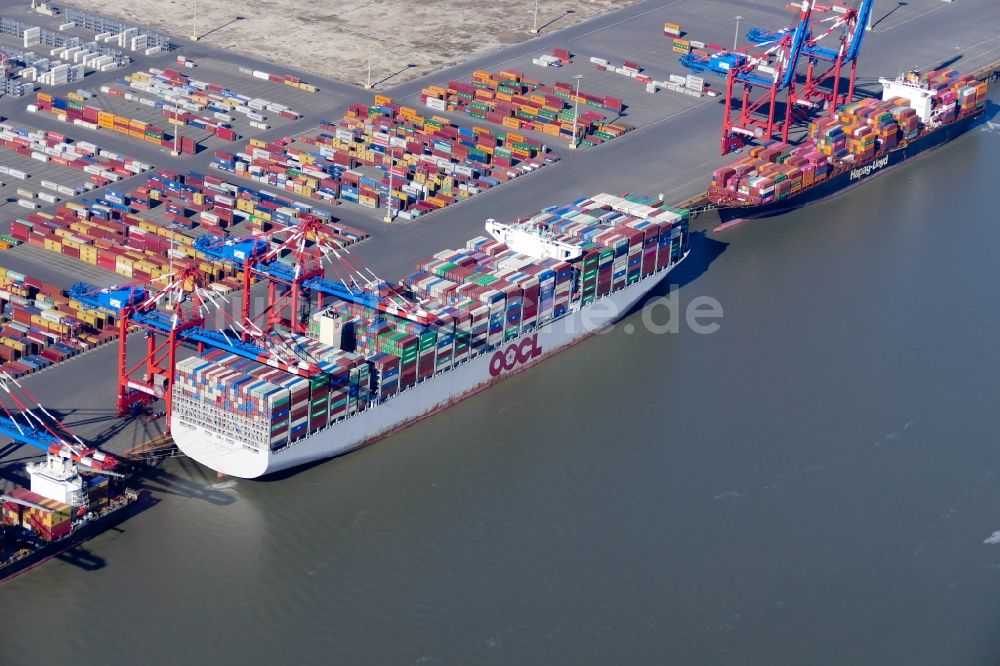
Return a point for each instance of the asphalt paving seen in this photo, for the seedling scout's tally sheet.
(672, 151)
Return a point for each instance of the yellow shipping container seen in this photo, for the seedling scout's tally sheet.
(550, 128)
(53, 245)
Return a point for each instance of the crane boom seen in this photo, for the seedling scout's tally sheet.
(857, 37)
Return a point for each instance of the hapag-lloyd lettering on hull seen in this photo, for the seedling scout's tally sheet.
(505, 360)
(861, 172)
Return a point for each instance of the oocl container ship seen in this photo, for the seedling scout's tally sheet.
(866, 138)
(502, 304)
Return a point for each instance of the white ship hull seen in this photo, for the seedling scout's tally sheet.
(427, 397)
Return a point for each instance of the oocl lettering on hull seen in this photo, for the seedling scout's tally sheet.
(517, 353)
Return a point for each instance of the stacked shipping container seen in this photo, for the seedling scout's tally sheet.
(40, 325)
(102, 166)
(48, 519)
(286, 79)
(183, 98)
(113, 239)
(92, 117)
(432, 161)
(266, 407)
(214, 204)
(510, 99)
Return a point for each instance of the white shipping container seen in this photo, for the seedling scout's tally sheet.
(30, 205)
(436, 104)
(695, 82)
(49, 198)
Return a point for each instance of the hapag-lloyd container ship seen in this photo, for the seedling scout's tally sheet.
(503, 304)
(866, 138)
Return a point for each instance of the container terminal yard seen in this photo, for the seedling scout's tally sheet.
(669, 151)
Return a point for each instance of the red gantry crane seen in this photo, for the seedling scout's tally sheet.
(291, 262)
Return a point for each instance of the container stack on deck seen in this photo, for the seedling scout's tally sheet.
(481, 296)
(433, 161)
(265, 406)
(511, 99)
(48, 519)
(40, 326)
(860, 131)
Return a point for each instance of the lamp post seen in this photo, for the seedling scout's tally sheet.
(194, 23)
(177, 132)
(736, 37)
(868, 24)
(534, 24)
(371, 43)
(576, 111)
(388, 204)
